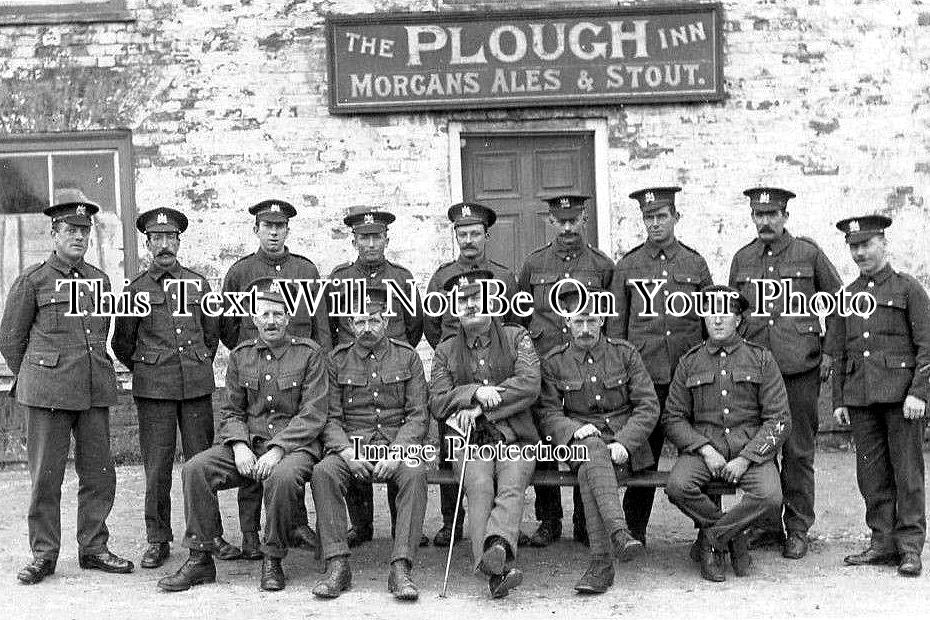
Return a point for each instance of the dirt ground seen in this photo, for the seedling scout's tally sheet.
(663, 583)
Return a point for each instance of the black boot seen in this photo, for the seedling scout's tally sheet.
(198, 569)
(711, 562)
(400, 584)
(500, 586)
(739, 554)
(547, 533)
(251, 546)
(626, 548)
(155, 555)
(36, 571)
(337, 580)
(272, 575)
(598, 578)
(444, 536)
(224, 550)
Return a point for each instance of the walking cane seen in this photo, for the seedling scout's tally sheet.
(455, 517)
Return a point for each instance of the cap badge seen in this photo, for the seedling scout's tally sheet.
(854, 226)
(565, 203)
(81, 210)
(764, 198)
(161, 218)
(275, 208)
(466, 211)
(463, 281)
(650, 197)
(369, 218)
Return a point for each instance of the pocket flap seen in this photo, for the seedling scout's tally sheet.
(796, 271)
(157, 298)
(248, 380)
(46, 360)
(744, 276)
(616, 380)
(895, 301)
(146, 357)
(744, 375)
(701, 378)
(807, 327)
(545, 278)
(570, 385)
(351, 378)
(289, 382)
(900, 361)
(686, 278)
(395, 376)
(51, 297)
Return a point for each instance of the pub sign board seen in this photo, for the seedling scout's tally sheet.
(391, 62)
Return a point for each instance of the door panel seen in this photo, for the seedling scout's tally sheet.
(512, 173)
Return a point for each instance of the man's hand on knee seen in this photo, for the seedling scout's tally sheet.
(266, 463)
(713, 459)
(618, 454)
(586, 431)
(245, 459)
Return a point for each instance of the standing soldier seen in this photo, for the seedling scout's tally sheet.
(596, 393)
(171, 359)
(370, 238)
(272, 259)
(271, 423)
(661, 340)
(795, 342)
(471, 223)
(377, 399)
(486, 378)
(66, 382)
(876, 388)
(567, 256)
(727, 412)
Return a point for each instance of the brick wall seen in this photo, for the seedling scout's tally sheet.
(227, 102)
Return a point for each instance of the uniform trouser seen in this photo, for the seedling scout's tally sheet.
(797, 455)
(637, 502)
(597, 480)
(360, 501)
(250, 506)
(761, 493)
(495, 490)
(447, 492)
(890, 473)
(331, 479)
(158, 423)
(214, 469)
(549, 500)
(48, 436)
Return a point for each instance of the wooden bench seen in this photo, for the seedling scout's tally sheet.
(564, 478)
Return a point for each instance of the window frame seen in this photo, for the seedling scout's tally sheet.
(72, 13)
(119, 140)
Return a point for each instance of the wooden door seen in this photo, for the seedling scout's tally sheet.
(512, 173)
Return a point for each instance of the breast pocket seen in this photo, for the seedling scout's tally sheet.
(617, 389)
(249, 382)
(686, 282)
(351, 385)
(701, 385)
(746, 382)
(572, 394)
(395, 385)
(289, 389)
(53, 307)
(160, 310)
(890, 318)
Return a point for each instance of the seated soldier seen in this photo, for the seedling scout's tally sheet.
(727, 412)
(377, 399)
(272, 420)
(485, 379)
(596, 392)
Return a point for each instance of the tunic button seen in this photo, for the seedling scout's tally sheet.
(668, 333)
(607, 420)
(173, 296)
(594, 379)
(866, 354)
(271, 411)
(771, 268)
(268, 357)
(271, 426)
(597, 397)
(268, 398)
(568, 275)
(661, 256)
(375, 394)
(377, 411)
(379, 426)
(902, 364)
(590, 361)
(567, 258)
(723, 354)
(181, 349)
(267, 377)
(177, 330)
(726, 411)
(564, 329)
(90, 348)
(864, 334)
(723, 372)
(481, 362)
(88, 331)
(771, 322)
(81, 294)
(724, 392)
(485, 382)
(374, 374)
(769, 252)
(666, 293)
(726, 431)
(871, 285)
(277, 267)
(664, 273)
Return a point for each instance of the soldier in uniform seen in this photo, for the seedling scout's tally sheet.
(272, 259)
(597, 393)
(377, 398)
(661, 340)
(795, 342)
(727, 412)
(486, 378)
(370, 238)
(171, 359)
(876, 388)
(471, 223)
(66, 382)
(271, 423)
(567, 256)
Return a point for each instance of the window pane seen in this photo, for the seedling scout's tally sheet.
(23, 184)
(92, 176)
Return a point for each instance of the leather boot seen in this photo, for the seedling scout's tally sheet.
(400, 584)
(695, 551)
(251, 547)
(224, 550)
(711, 562)
(871, 557)
(106, 562)
(910, 565)
(598, 578)
(337, 580)
(198, 569)
(272, 575)
(36, 571)
(739, 554)
(444, 536)
(796, 545)
(500, 586)
(494, 557)
(357, 536)
(626, 548)
(547, 533)
(155, 555)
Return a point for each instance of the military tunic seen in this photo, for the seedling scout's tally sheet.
(378, 396)
(795, 342)
(730, 395)
(437, 329)
(276, 396)
(606, 386)
(171, 358)
(404, 326)
(875, 370)
(66, 379)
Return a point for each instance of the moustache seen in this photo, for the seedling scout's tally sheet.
(165, 253)
(766, 229)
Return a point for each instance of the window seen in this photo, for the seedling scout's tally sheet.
(39, 170)
(62, 11)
